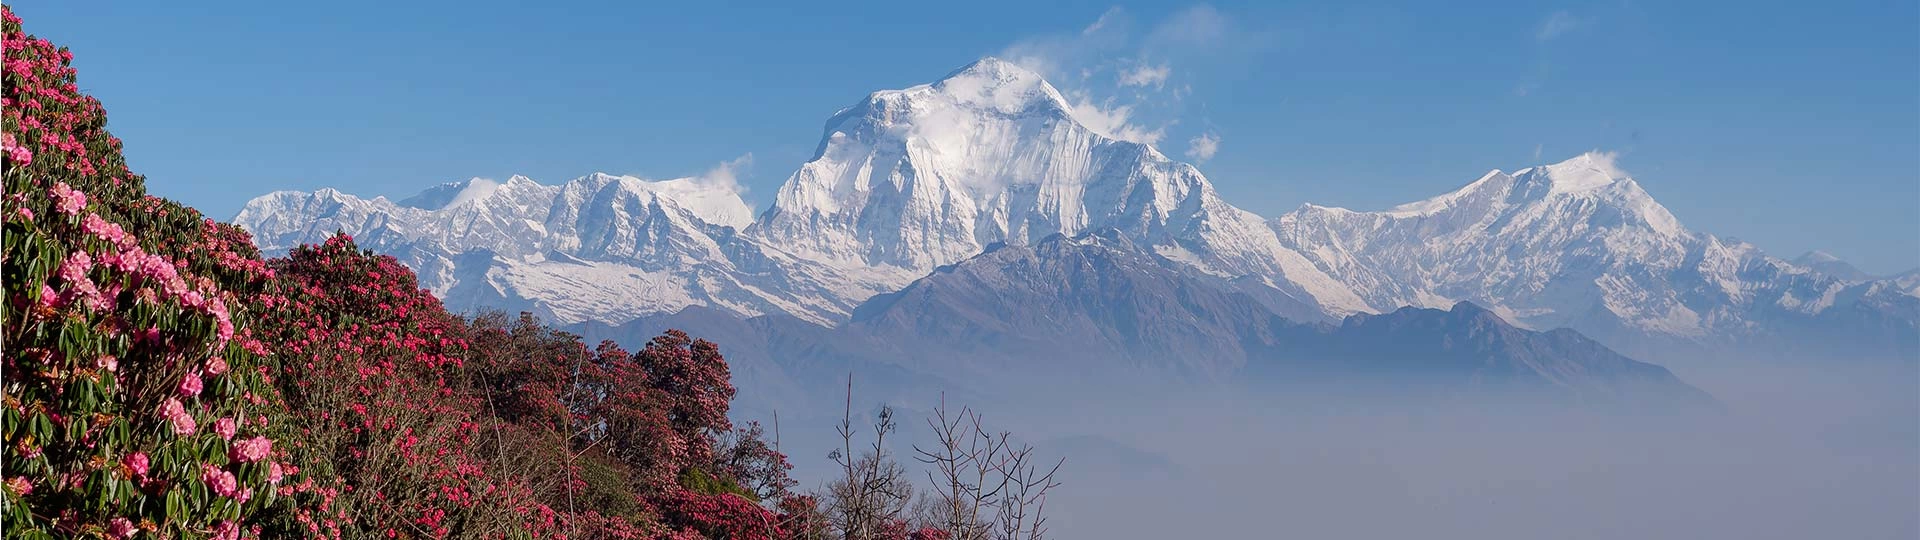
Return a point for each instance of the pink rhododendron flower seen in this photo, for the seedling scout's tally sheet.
(49, 298)
(251, 450)
(106, 230)
(107, 363)
(226, 530)
(76, 266)
(137, 463)
(275, 473)
(67, 200)
(80, 288)
(225, 427)
(120, 528)
(190, 385)
(176, 414)
(19, 486)
(17, 153)
(219, 480)
(216, 365)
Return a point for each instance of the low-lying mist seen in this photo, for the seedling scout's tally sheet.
(1810, 450)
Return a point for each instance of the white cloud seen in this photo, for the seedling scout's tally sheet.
(1061, 55)
(1557, 24)
(1113, 14)
(1145, 75)
(1103, 69)
(1536, 152)
(1112, 121)
(727, 174)
(1203, 147)
(1604, 161)
(1119, 73)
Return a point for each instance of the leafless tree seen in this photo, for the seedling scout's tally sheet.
(1022, 513)
(964, 472)
(984, 486)
(874, 491)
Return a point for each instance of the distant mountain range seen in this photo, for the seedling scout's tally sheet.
(975, 224)
(1098, 311)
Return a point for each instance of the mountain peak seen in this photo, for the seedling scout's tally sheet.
(1585, 172)
(1827, 263)
(1467, 307)
(993, 68)
(1816, 256)
(714, 198)
(998, 85)
(1494, 179)
(452, 194)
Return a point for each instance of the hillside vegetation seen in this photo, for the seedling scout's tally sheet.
(163, 379)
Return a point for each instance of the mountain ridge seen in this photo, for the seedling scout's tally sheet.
(906, 182)
(1093, 309)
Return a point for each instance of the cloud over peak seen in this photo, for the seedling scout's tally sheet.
(1119, 73)
(1203, 146)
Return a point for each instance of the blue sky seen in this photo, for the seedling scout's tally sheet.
(1791, 125)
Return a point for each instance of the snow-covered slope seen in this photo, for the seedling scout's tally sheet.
(1826, 263)
(601, 247)
(917, 178)
(1575, 244)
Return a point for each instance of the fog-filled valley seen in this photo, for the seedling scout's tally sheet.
(1797, 451)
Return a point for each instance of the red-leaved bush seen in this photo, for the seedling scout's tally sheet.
(163, 379)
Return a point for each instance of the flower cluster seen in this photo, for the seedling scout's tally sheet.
(720, 516)
(67, 200)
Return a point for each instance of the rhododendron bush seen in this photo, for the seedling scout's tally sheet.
(163, 380)
(135, 399)
(443, 427)
(369, 364)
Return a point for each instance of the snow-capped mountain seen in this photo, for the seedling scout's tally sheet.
(903, 182)
(600, 247)
(1826, 263)
(918, 178)
(1575, 244)
(906, 182)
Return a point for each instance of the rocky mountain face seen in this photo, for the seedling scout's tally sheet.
(979, 214)
(1097, 304)
(1083, 304)
(1469, 350)
(1097, 310)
